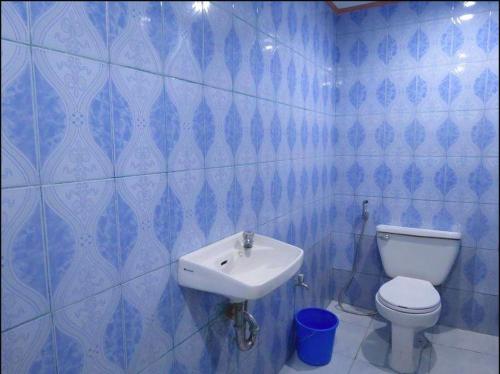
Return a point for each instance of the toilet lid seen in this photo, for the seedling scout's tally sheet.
(409, 295)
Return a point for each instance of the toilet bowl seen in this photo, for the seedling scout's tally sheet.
(417, 260)
(410, 305)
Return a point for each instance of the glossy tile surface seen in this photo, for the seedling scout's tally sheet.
(134, 133)
(450, 349)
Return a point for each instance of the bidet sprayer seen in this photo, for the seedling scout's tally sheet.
(365, 210)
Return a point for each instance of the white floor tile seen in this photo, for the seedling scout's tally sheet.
(448, 360)
(375, 346)
(347, 317)
(361, 367)
(464, 339)
(348, 338)
(362, 346)
(339, 364)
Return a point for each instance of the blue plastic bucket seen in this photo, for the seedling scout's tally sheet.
(315, 335)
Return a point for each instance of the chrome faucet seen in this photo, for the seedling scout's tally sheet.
(300, 281)
(248, 239)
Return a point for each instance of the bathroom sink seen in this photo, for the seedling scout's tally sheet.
(227, 268)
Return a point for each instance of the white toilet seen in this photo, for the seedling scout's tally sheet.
(417, 260)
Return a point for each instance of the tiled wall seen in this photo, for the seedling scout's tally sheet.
(133, 133)
(417, 124)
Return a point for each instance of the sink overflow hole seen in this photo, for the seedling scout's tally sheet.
(223, 263)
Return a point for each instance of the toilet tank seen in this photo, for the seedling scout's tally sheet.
(417, 253)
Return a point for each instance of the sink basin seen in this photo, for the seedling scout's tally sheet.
(228, 269)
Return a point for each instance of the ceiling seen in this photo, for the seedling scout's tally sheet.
(349, 4)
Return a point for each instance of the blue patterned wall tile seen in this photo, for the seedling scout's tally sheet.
(272, 70)
(472, 30)
(246, 11)
(487, 306)
(280, 19)
(89, 334)
(191, 310)
(446, 40)
(302, 132)
(293, 78)
(278, 133)
(485, 84)
(278, 188)
(349, 23)
(356, 51)
(139, 122)
(369, 260)
(135, 35)
(376, 174)
(369, 135)
(305, 28)
(486, 272)
(222, 48)
(439, 178)
(73, 116)
(462, 7)
(77, 28)
(477, 222)
(341, 224)
(486, 34)
(267, 13)
(379, 213)
(24, 280)
(462, 275)
(183, 39)
(246, 138)
(222, 199)
(29, 348)
(477, 180)
(342, 126)
(459, 126)
(405, 176)
(192, 355)
(186, 212)
(247, 218)
(146, 238)
(394, 209)
(82, 240)
(19, 159)
(247, 77)
(185, 133)
(343, 258)
(15, 20)
(282, 85)
(223, 129)
(220, 346)
(362, 291)
(432, 215)
(292, 186)
(455, 305)
(262, 195)
(342, 185)
(261, 129)
(288, 32)
(147, 314)
(163, 365)
(478, 133)
(402, 45)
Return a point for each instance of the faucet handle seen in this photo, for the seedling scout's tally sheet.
(300, 281)
(248, 234)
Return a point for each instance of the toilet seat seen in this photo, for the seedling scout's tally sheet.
(409, 295)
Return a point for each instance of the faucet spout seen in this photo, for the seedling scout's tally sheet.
(248, 239)
(300, 281)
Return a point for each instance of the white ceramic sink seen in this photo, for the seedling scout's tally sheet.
(228, 269)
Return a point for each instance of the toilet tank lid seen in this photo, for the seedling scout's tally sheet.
(419, 232)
